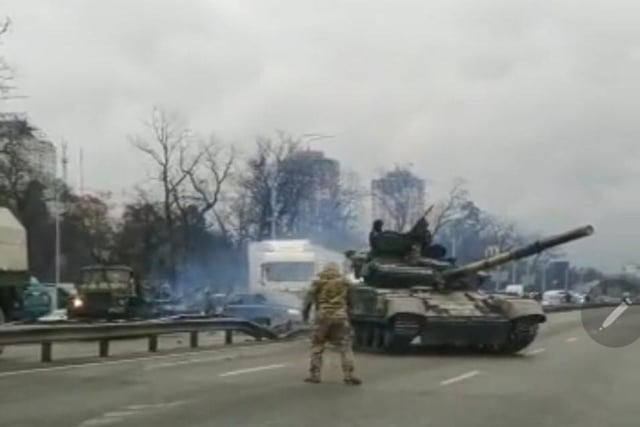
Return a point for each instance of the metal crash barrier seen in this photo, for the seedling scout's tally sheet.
(46, 335)
(572, 307)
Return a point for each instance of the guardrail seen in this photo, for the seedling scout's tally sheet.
(46, 335)
(573, 307)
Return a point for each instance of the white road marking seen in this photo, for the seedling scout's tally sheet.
(156, 405)
(100, 422)
(138, 359)
(118, 416)
(572, 339)
(460, 378)
(536, 351)
(189, 361)
(250, 370)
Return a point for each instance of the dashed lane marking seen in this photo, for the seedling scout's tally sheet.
(572, 339)
(459, 378)
(251, 370)
(536, 351)
(119, 416)
(100, 422)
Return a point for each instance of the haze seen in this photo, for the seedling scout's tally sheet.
(532, 102)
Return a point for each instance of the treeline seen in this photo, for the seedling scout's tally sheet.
(190, 222)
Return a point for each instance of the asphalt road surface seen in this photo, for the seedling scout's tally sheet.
(564, 379)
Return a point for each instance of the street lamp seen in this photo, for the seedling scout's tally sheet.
(273, 197)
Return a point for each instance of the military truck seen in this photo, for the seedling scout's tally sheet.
(405, 295)
(107, 292)
(14, 268)
(113, 291)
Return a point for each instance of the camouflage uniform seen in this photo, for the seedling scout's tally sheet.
(329, 294)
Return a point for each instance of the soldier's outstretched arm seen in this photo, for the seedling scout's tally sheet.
(309, 300)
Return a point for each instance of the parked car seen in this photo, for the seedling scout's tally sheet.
(278, 310)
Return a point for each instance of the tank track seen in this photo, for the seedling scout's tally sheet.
(523, 332)
(379, 337)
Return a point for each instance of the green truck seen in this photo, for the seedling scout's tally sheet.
(21, 296)
(106, 291)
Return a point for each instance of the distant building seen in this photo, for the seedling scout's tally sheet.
(557, 275)
(398, 198)
(317, 208)
(631, 270)
(39, 153)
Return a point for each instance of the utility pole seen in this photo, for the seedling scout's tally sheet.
(81, 168)
(544, 277)
(274, 199)
(58, 189)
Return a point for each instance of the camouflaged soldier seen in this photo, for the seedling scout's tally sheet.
(329, 295)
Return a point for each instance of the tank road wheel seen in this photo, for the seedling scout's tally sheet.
(379, 337)
(368, 337)
(392, 343)
(360, 336)
(2, 320)
(523, 332)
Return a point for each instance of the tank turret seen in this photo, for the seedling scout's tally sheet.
(398, 260)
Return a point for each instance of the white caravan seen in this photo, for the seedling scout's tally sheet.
(287, 265)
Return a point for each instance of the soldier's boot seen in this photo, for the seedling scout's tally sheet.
(349, 378)
(314, 377)
(352, 381)
(314, 374)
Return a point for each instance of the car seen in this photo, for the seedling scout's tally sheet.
(281, 311)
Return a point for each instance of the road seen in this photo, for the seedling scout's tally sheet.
(564, 379)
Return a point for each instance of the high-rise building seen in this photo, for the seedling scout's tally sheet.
(38, 153)
(315, 208)
(398, 198)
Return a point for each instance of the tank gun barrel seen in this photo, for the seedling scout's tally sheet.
(523, 252)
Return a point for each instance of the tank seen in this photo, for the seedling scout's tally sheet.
(407, 289)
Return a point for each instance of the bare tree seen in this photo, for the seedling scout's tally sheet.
(499, 232)
(191, 174)
(207, 176)
(456, 207)
(400, 194)
(271, 188)
(6, 73)
(167, 148)
(16, 171)
(346, 206)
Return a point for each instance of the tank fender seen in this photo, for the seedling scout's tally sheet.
(518, 308)
(405, 305)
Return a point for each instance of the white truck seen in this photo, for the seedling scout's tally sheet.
(14, 267)
(287, 265)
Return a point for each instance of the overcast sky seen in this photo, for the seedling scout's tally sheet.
(534, 103)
